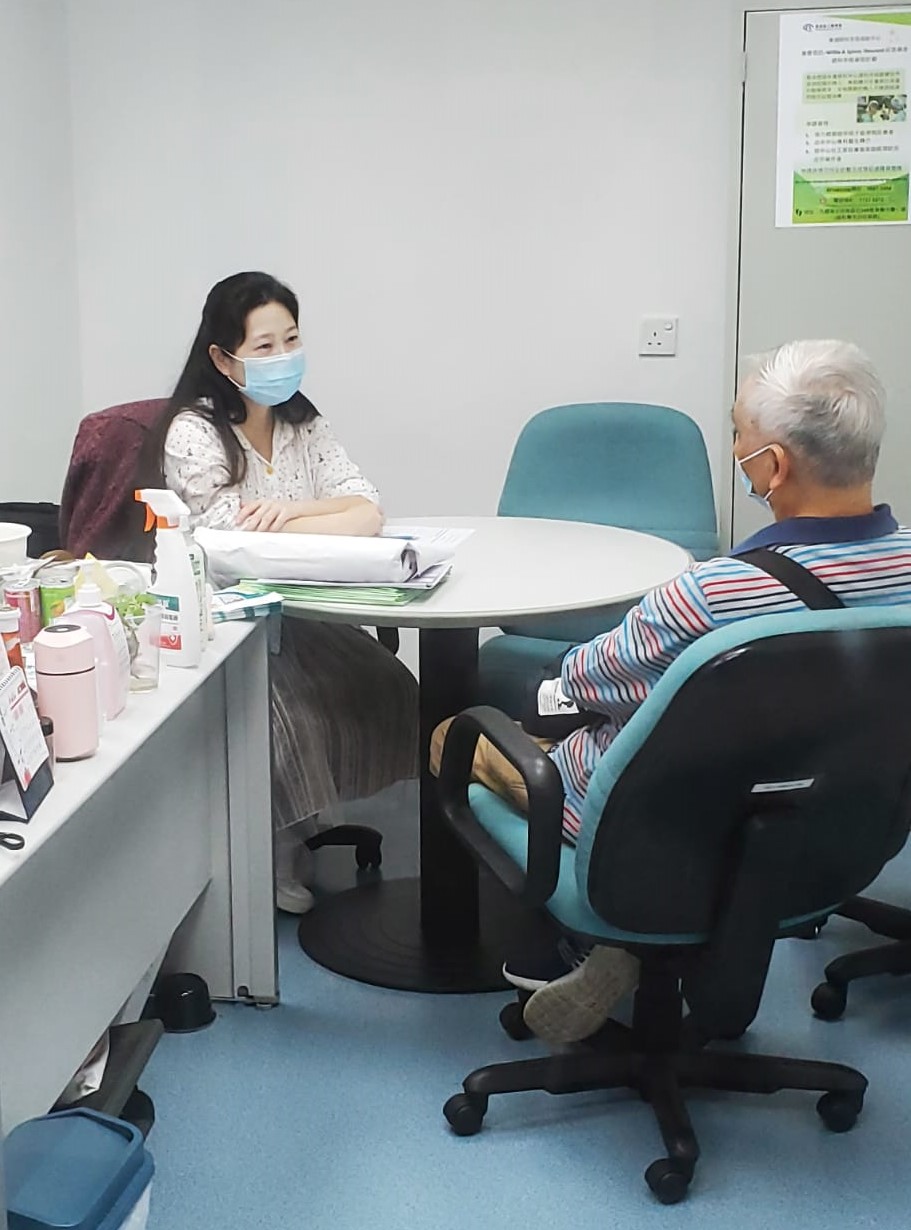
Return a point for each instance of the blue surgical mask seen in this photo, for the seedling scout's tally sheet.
(271, 380)
(748, 482)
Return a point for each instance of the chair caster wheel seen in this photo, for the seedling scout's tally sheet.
(513, 1022)
(465, 1113)
(669, 1180)
(369, 854)
(810, 931)
(839, 1111)
(829, 1001)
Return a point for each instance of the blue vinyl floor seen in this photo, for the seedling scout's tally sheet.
(325, 1113)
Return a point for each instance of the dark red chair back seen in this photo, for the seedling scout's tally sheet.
(98, 513)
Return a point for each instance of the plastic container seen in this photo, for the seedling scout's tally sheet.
(13, 542)
(112, 655)
(78, 1170)
(9, 634)
(67, 690)
(176, 585)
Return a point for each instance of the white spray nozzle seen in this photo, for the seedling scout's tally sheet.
(164, 508)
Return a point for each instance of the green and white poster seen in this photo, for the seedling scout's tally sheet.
(844, 138)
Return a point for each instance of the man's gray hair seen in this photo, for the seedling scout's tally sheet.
(825, 402)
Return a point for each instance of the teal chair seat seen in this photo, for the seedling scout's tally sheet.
(636, 466)
(765, 780)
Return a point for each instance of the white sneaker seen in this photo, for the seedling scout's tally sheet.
(578, 1004)
(293, 865)
(293, 898)
(304, 865)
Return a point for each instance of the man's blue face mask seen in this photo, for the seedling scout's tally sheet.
(273, 379)
(748, 482)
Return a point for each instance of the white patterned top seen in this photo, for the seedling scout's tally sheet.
(308, 463)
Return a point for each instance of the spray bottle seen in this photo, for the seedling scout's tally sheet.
(198, 563)
(176, 585)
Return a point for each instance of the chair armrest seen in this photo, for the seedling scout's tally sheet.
(545, 797)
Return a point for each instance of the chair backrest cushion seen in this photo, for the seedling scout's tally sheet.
(98, 513)
(637, 466)
(821, 697)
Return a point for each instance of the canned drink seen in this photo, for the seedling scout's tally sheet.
(58, 591)
(25, 596)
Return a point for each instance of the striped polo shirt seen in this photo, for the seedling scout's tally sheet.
(865, 560)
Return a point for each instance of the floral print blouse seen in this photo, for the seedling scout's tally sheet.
(308, 463)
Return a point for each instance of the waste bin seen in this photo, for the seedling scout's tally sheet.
(78, 1170)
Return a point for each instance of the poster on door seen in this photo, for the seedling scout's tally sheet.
(844, 138)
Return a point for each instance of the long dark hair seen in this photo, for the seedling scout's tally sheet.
(203, 389)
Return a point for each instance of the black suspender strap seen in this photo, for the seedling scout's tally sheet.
(812, 592)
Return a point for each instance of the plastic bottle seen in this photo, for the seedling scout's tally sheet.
(175, 585)
(9, 632)
(198, 564)
(112, 654)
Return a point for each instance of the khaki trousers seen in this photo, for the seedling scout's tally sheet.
(490, 768)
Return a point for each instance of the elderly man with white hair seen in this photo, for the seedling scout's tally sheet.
(808, 422)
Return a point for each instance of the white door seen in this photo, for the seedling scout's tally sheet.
(852, 282)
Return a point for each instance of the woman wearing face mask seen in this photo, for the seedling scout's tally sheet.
(244, 448)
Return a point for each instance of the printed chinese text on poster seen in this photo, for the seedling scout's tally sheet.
(844, 139)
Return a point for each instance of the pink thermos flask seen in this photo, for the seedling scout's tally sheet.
(67, 690)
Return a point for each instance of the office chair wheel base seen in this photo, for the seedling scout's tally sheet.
(839, 1111)
(513, 1022)
(829, 1000)
(465, 1113)
(368, 853)
(669, 1180)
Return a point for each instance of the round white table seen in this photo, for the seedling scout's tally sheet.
(447, 931)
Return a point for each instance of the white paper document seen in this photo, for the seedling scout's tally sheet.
(394, 559)
(429, 537)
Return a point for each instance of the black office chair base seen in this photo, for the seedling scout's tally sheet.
(367, 843)
(830, 998)
(659, 1059)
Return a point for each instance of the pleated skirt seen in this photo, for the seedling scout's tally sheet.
(344, 723)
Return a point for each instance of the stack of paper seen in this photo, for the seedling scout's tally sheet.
(397, 567)
(244, 602)
(341, 595)
(388, 560)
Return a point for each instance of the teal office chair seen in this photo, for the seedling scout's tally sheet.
(639, 467)
(764, 781)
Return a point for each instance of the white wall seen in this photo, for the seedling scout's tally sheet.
(475, 199)
(39, 335)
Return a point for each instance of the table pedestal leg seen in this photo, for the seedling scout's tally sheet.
(450, 930)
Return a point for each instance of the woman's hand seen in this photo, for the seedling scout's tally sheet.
(353, 515)
(365, 519)
(268, 516)
(358, 518)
